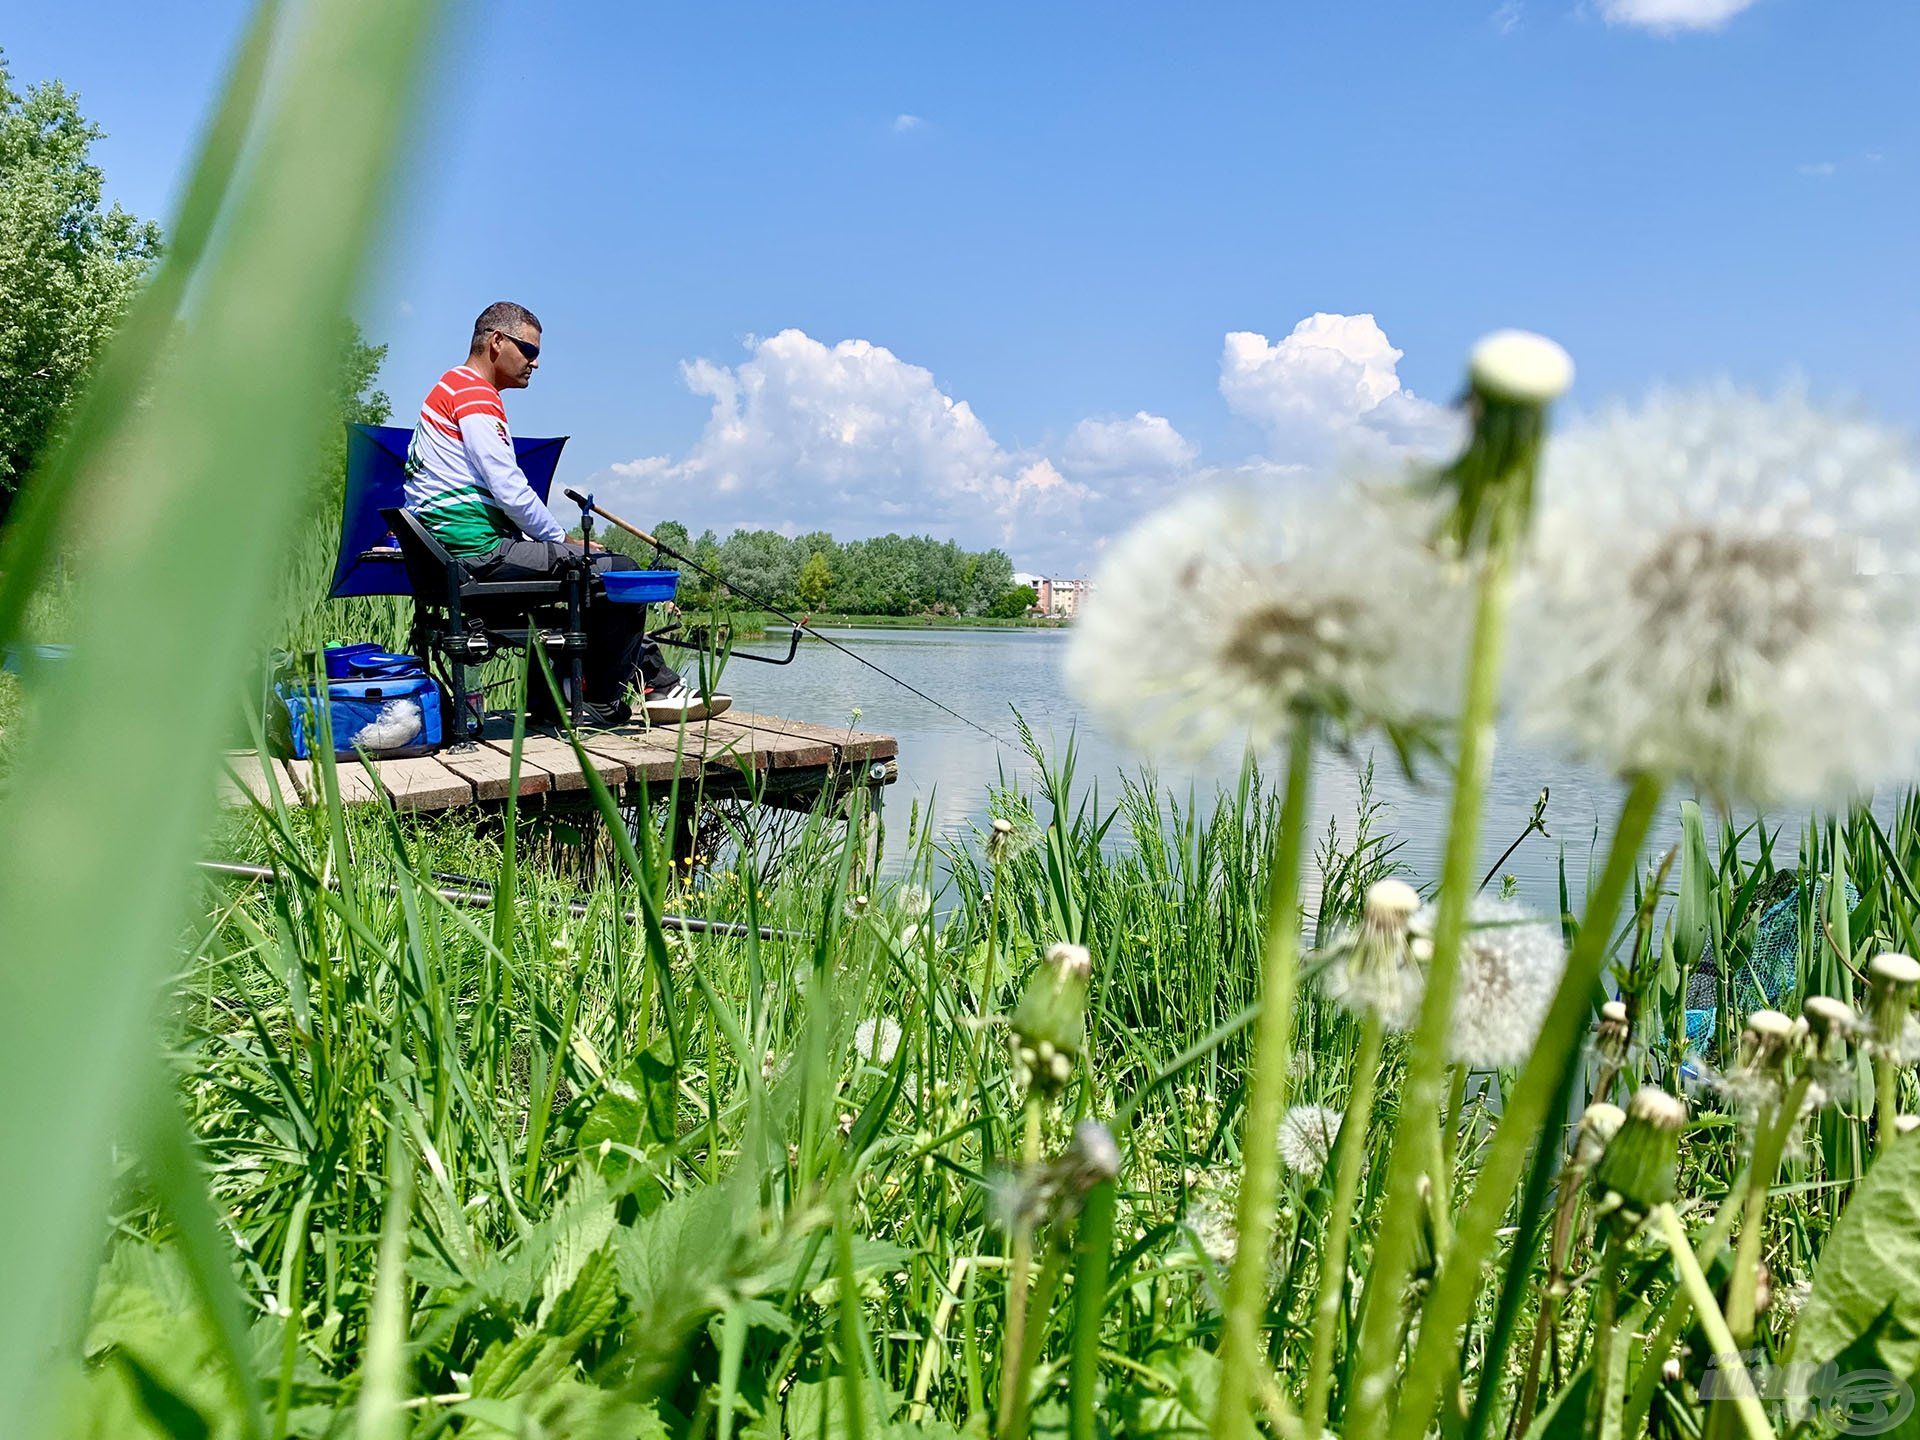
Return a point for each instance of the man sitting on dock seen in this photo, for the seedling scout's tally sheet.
(464, 483)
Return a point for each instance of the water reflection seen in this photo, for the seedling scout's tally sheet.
(946, 768)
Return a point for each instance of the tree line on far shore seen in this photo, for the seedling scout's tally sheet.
(883, 575)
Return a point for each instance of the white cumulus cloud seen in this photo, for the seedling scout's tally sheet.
(1332, 385)
(1668, 16)
(850, 438)
(845, 434)
(1140, 443)
(903, 123)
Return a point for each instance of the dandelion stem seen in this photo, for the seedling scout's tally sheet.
(1095, 1244)
(1013, 1389)
(1266, 1098)
(1413, 1136)
(1700, 1292)
(1603, 1411)
(1886, 1085)
(1350, 1156)
(1452, 1297)
(993, 937)
(1768, 1146)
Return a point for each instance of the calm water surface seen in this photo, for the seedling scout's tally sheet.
(986, 674)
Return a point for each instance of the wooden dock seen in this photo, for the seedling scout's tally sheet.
(783, 762)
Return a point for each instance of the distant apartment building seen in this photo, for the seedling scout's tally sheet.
(1055, 597)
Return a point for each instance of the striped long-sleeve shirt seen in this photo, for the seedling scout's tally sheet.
(461, 476)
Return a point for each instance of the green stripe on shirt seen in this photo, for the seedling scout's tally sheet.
(467, 527)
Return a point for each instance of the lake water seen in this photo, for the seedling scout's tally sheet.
(986, 674)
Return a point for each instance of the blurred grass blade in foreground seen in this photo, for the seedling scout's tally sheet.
(191, 472)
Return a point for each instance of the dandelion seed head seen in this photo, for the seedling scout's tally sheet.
(1306, 1138)
(1324, 603)
(877, 1040)
(913, 902)
(1721, 591)
(1008, 840)
(1510, 966)
(1210, 1219)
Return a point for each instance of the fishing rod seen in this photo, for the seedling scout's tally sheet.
(586, 504)
(479, 897)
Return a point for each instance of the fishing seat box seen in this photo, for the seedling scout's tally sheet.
(381, 703)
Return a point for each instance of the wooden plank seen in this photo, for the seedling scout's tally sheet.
(555, 756)
(773, 749)
(355, 787)
(423, 783)
(489, 771)
(649, 755)
(852, 744)
(723, 747)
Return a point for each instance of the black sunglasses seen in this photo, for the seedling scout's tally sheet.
(527, 347)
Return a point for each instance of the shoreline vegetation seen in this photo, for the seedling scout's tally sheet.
(1049, 1137)
(755, 624)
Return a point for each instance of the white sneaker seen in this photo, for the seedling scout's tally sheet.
(680, 704)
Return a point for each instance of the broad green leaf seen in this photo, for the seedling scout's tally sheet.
(588, 1303)
(1868, 1277)
(1184, 1405)
(817, 1408)
(634, 1111)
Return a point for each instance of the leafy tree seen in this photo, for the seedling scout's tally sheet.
(355, 402)
(67, 266)
(1014, 602)
(816, 579)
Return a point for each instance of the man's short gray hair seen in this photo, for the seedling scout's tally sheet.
(501, 315)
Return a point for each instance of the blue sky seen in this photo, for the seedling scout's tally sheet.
(1014, 273)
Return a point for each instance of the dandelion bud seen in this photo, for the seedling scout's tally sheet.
(1615, 1030)
(1829, 1024)
(1599, 1123)
(1050, 1023)
(1762, 1288)
(1073, 959)
(1639, 1164)
(1764, 1042)
(1906, 1124)
(1375, 971)
(1519, 366)
(1892, 980)
(1670, 1370)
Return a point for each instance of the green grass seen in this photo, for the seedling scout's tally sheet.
(634, 1155)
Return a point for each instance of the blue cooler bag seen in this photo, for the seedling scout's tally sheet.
(377, 701)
